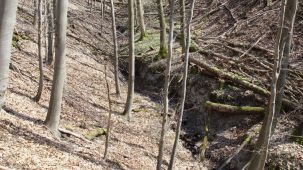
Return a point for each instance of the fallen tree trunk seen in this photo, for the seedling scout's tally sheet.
(225, 108)
(238, 81)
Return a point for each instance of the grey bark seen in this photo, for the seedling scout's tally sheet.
(163, 41)
(166, 84)
(185, 73)
(282, 51)
(131, 61)
(116, 65)
(183, 22)
(53, 115)
(40, 88)
(141, 19)
(50, 35)
(8, 10)
(109, 114)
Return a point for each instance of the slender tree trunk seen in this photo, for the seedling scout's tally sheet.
(166, 84)
(163, 43)
(53, 115)
(282, 51)
(141, 19)
(109, 114)
(183, 21)
(40, 88)
(36, 12)
(50, 35)
(117, 84)
(131, 61)
(185, 72)
(8, 10)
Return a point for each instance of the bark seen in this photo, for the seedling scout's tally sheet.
(166, 85)
(109, 114)
(40, 88)
(36, 13)
(163, 45)
(131, 61)
(225, 108)
(8, 10)
(53, 115)
(185, 73)
(141, 19)
(117, 84)
(183, 21)
(50, 35)
(282, 50)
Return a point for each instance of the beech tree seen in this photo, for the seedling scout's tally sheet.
(166, 84)
(8, 10)
(131, 61)
(40, 88)
(116, 65)
(282, 50)
(163, 45)
(185, 73)
(50, 33)
(141, 19)
(53, 115)
(183, 22)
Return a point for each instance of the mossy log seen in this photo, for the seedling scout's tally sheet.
(224, 108)
(238, 81)
(95, 133)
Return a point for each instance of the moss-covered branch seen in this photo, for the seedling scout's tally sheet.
(237, 80)
(224, 108)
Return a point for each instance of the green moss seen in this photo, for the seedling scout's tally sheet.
(163, 53)
(249, 108)
(69, 127)
(297, 135)
(157, 67)
(90, 135)
(193, 47)
(194, 70)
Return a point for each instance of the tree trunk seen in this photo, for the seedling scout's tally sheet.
(109, 113)
(185, 72)
(53, 115)
(117, 84)
(166, 85)
(140, 10)
(50, 35)
(40, 88)
(8, 10)
(131, 60)
(163, 45)
(182, 29)
(282, 51)
(36, 13)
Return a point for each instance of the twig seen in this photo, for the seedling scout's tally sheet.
(65, 131)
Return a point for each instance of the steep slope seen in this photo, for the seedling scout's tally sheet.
(25, 143)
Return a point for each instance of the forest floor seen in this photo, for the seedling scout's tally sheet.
(25, 143)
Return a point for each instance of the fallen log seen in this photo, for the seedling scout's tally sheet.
(225, 108)
(238, 81)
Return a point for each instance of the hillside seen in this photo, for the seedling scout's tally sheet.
(224, 32)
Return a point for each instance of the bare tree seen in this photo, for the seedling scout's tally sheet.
(109, 114)
(8, 10)
(131, 61)
(50, 33)
(140, 10)
(163, 44)
(166, 84)
(116, 65)
(283, 46)
(53, 115)
(182, 29)
(40, 88)
(185, 72)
